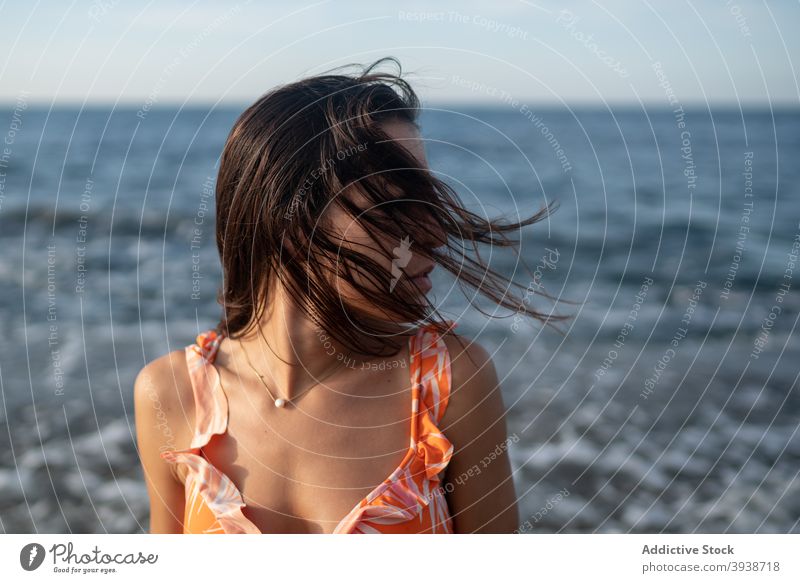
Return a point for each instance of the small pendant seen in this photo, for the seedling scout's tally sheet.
(280, 402)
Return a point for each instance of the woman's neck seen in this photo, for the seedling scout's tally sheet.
(290, 350)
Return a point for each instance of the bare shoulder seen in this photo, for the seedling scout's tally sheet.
(166, 379)
(482, 498)
(474, 388)
(164, 401)
(164, 410)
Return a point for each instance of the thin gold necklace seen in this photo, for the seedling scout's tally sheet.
(279, 402)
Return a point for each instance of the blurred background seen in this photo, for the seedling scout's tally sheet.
(668, 134)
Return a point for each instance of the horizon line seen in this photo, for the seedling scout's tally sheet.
(433, 104)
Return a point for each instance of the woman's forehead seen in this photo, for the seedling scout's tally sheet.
(407, 135)
(404, 134)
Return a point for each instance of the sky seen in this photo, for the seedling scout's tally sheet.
(86, 52)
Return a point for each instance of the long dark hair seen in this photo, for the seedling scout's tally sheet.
(293, 154)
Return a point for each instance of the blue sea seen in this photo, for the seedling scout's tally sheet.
(670, 403)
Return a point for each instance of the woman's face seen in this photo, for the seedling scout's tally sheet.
(400, 258)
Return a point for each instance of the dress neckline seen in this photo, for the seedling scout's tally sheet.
(411, 452)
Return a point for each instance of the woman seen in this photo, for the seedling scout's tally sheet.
(328, 399)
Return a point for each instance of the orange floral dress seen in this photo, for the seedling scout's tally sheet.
(409, 500)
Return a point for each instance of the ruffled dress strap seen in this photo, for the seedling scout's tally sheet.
(203, 480)
(410, 499)
(433, 376)
(211, 406)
